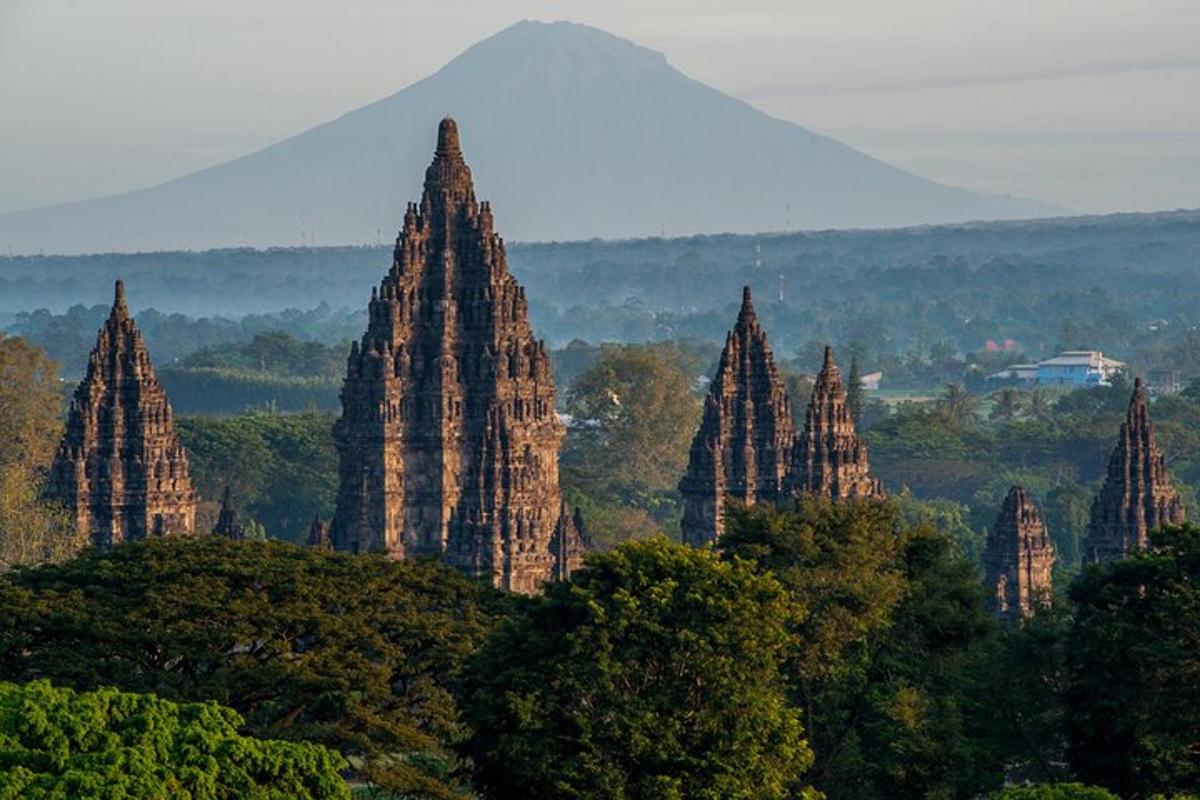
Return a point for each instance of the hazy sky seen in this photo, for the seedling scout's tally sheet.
(1092, 104)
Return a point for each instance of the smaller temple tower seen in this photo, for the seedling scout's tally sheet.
(318, 535)
(1137, 495)
(743, 446)
(120, 468)
(228, 526)
(829, 458)
(1019, 559)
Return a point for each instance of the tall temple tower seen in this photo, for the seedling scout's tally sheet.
(1137, 495)
(1018, 561)
(743, 446)
(829, 457)
(448, 439)
(120, 467)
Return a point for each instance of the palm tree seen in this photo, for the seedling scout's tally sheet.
(959, 407)
(1038, 405)
(1006, 405)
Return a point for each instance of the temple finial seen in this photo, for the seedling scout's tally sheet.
(746, 312)
(447, 142)
(828, 357)
(119, 306)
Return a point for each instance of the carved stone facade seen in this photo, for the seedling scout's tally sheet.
(227, 525)
(1137, 495)
(743, 447)
(1019, 559)
(318, 535)
(449, 439)
(120, 467)
(829, 458)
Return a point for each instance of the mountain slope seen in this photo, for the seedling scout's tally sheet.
(572, 132)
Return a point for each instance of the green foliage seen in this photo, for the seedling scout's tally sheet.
(890, 648)
(841, 563)
(32, 530)
(1054, 791)
(273, 370)
(55, 744)
(1133, 702)
(633, 417)
(1028, 679)
(222, 390)
(355, 652)
(274, 353)
(31, 405)
(282, 468)
(654, 673)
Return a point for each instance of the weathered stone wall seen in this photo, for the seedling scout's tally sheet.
(743, 446)
(829, 458)
(120, 467)
(1018, 562)
(1137, 495)
(448, 438)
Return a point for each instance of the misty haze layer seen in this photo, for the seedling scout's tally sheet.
(572, 132)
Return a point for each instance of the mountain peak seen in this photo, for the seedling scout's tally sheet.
(574, 133)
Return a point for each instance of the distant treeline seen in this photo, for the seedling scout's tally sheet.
(919, 304)
(214, 390)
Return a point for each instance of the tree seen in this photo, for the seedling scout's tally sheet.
(1054, 791)
(957, 406)
(856, 392)
(890, 651)
(1038, 405)
(633, 415)
(282, 468)
(1133, 698)
(32, 530)
(30, 405)
(1006, 404)
(358, 653)
(59, 744)
(654, 673)
(1028, 684)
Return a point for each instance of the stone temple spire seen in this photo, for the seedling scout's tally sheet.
(743, 446)
(448, 439)
(829, 458)
(227, 525)
(120, 467)
(318, 535)
(1019, 559)
(1137, 495)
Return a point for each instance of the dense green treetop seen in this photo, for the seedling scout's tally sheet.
(1133, 699)
(889, 650)
(1054, 791)
(653, 674)
(111, 745)
(356, 652)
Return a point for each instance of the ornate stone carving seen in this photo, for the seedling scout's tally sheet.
(829, 457)
(227, 520)
(1137, 495)
(743, 446)
(449, 439)
(1019, 559)
(318, 535)
(120, 467)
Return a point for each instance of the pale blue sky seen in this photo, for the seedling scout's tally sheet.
(1091, 105)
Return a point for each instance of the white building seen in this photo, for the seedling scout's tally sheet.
(1069, 368)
